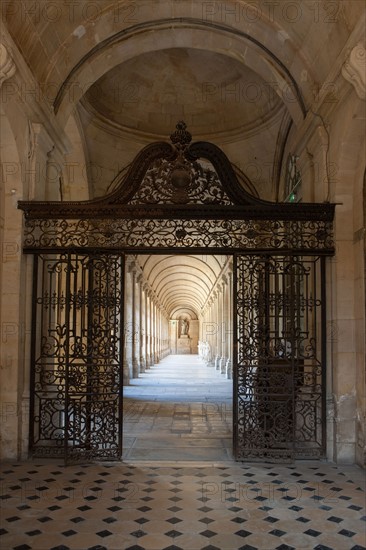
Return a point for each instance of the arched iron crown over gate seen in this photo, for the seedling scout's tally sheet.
(178, 196)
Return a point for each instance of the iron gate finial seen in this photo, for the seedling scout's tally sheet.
(181, 136)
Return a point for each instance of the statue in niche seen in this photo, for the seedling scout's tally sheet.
(183, 327)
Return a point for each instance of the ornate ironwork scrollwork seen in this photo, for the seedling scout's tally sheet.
(280, 350)
(177, 196)
(166, 233)
(181, 182)
(77, 357)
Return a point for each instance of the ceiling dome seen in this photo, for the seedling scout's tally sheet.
(147, 93)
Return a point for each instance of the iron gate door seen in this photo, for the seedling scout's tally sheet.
(279, 354)
(76, 393)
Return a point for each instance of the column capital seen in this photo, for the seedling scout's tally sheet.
(354, 70)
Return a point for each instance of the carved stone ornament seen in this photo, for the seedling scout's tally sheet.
(354, 70)
(7, 65)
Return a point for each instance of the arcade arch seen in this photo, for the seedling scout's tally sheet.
(325, 136)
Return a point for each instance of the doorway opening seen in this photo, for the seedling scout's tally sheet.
(178, 410)
(177, 402)
(181, 198)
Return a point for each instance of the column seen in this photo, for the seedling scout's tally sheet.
(154, 332)
(142, 324)
(135, 327)
(151, 339)
(229, 333)
(217, 331)
(223, 325)
(160, 351)
(157, 339)
(210, 334)
(128, 328)
(147, 327)
(166, 346)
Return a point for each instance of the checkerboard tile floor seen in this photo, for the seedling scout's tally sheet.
(196, 506)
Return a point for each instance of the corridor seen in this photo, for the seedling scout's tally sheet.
(178, 410)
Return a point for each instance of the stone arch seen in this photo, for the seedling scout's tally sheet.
(183, 33)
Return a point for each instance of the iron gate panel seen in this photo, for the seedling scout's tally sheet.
(176, 197)
(280, 357)
(76, 398)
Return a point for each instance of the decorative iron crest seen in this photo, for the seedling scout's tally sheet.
(181, 182)
(176, 195)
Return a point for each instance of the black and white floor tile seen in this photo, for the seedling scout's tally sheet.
(178, 487)
(119, 506)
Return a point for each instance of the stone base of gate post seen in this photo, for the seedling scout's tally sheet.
(217, 362)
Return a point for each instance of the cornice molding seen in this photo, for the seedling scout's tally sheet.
(241, 133)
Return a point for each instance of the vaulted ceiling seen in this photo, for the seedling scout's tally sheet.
(241, 74)
(182, 282)
(150, 92)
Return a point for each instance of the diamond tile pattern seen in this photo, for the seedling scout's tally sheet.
(205, 518)
(199, 500)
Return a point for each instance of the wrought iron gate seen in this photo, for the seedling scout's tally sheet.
(175, 197)
(77, 323)
(280, 357)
